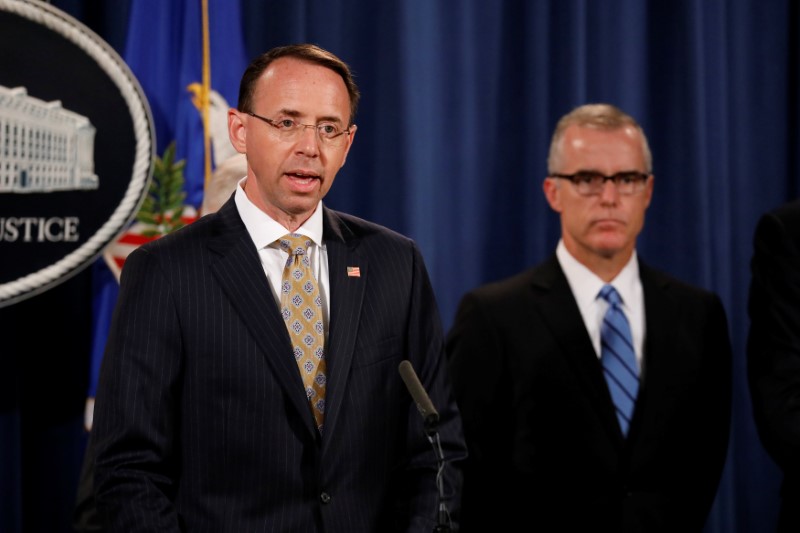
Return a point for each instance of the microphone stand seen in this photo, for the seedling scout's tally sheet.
(443, 524)
(430, 422)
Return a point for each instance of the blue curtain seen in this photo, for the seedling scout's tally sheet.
(459, 100)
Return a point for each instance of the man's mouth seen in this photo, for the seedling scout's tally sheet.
(305, 177)
(608, 222)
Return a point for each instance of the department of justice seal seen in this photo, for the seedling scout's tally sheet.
(76, 147)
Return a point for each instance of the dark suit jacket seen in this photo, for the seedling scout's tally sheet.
(201, 422)
(545, 446)
(773, 348)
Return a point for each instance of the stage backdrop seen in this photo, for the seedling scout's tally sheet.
(459, 100)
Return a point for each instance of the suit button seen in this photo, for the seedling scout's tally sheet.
(325, 497)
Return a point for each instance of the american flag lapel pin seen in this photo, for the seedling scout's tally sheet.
(353, 272)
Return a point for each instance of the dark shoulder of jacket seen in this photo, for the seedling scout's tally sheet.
(348, 227)
(671, 283)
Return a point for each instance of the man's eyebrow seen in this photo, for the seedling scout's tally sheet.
(293, 113)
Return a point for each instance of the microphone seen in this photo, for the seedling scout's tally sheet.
(430, 419)
(425, 406)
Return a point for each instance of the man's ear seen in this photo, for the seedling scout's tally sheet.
(237, 131)
(648, 190)
(552, 192)
(350, 138)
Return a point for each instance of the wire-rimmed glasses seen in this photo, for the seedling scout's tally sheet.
(288, 129)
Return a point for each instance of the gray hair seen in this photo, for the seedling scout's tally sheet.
(598, 116)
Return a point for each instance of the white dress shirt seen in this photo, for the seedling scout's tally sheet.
(586, 285)
(265, 231)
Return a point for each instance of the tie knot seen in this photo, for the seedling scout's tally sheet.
(610, 294)
(295, 244)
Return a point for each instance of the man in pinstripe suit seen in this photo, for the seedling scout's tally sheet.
(202, 422)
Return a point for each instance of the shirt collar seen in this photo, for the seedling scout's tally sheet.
(264, 230)
(586, 285)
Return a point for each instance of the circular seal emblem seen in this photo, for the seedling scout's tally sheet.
(76, 147)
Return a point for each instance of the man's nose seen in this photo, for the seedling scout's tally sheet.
(609, 193)
(308, 142)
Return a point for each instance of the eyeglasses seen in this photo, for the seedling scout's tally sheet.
(328, 133)
(591, 183)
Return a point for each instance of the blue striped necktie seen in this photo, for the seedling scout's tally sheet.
(618, 358)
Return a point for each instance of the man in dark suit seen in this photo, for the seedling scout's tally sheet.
(211, 415)
(580, 413)
(773, 349)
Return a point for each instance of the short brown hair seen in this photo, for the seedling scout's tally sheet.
(305, 52)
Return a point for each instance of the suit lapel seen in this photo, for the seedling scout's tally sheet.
(559, 311)
(238, 271)
(657, 370)
(346, 297)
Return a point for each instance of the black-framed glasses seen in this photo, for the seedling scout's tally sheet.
(288, 129)
(589, 183)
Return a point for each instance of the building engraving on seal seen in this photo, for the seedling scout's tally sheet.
(43, 147)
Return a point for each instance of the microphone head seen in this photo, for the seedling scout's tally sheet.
(430, 416)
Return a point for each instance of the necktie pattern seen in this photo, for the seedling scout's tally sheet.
(618, 358)
(301, 308)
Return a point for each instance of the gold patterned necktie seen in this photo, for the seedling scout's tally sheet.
(301, 308)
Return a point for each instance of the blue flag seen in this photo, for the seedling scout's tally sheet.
(165, 50)
(189, 63)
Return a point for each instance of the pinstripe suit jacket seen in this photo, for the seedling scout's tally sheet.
(201, 421)
(545, 445)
